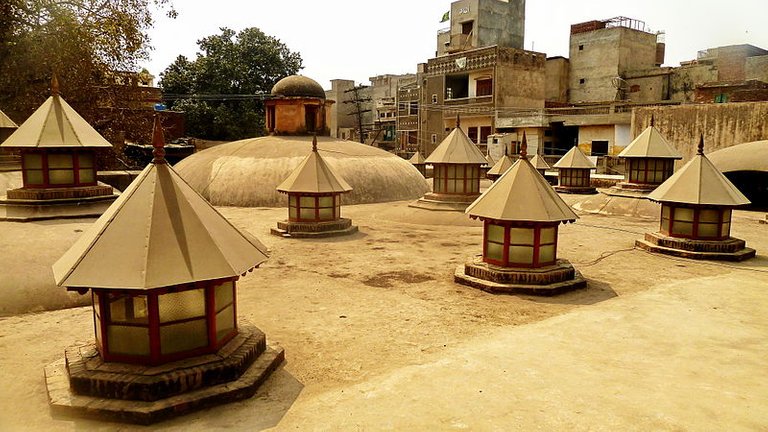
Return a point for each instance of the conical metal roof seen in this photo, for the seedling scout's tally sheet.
(521, 194)
(490, 160)
(6, 122)
(457, 148)
(650, 144)
(500, 167)
(158, 233)
(313, 175)
(575, 158)
(539, 163)
(699, 182)
(417, 159)
(55, 125)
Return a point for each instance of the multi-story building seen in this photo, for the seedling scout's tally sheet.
(384, 92)
(408, 99)
(480, 68)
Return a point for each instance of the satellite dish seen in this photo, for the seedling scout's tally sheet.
(621, 86)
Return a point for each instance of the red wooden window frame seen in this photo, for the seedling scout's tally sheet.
(45, 169)
(316, 206)
(640, 169)
(484, 87)
(667, 222)
(102, 320)
(573, 177)
(536, 246)
(470, 185)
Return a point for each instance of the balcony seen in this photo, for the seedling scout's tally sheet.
(460, 42)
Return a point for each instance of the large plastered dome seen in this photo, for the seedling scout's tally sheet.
(246, 173)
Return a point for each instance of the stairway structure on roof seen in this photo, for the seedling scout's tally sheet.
(168, 340)
(521, 214)
(58, 161)
(696, 209)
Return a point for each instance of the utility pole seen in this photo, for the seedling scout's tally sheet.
(358, 100)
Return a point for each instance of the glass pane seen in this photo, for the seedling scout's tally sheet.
(61, 176)
(85, 160)
(225, 322)
(86, 175)
(326, 213)
(665, 212)
(684, 214)
(496, 233)
(475, 185)
(709, 215)
(128, 340)
(682, 228)
(224, 295)
(307, 214)
(325, 201)
(127, 309)
(33, 161)
(725, 230)
(727, 215)
(548, 235)
(494, 251)
(547, 254)
(292, 212)
(521, 236)
(183, 336)
(521, 254)
(181, 305)
(437, 184)
(451, 171)
(708, 230)
(34, 177)
(451, 186)
(60, 161)
(98, 332)
(307, 201)
(633, 175)
(291, 200)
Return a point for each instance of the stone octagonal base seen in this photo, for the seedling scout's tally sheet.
(82, 385)
(444, 202)
(339, 227)
(575, 190)
(24, 210)
(730, 249)
(545, 281)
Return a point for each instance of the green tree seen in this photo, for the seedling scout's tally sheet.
(219, 90)
(85, 42)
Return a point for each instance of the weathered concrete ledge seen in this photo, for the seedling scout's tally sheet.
(25, 210)
(444, 202)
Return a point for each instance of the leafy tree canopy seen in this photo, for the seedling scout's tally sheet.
(218, 90)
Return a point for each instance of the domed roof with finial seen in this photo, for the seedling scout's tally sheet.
(298, 86)
(521, 194)
(699, 182)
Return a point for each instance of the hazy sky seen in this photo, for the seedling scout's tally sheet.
(358, 39)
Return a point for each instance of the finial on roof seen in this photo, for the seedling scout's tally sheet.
(652, 121)
(458, 120)
(158, 142)
(54, 85)
(701, 145)
(524, 147)
(314, 143)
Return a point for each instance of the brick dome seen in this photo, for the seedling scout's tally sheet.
(298, 86)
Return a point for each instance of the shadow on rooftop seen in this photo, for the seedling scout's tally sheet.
(595, 292)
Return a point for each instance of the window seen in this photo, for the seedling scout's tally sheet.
(484, 132)
(484, 87)
(44, 169)
(695, 223)
(649, 171)
(312, 208)
(472, 134)
(582, 80)
(434, 98)
(456, 179)
(516, 245)
(434, 138)
(721, 98)
(581, 47)
(570, 177)
(599, 148)
(457, 86)
(466, 27)
(413, 108)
